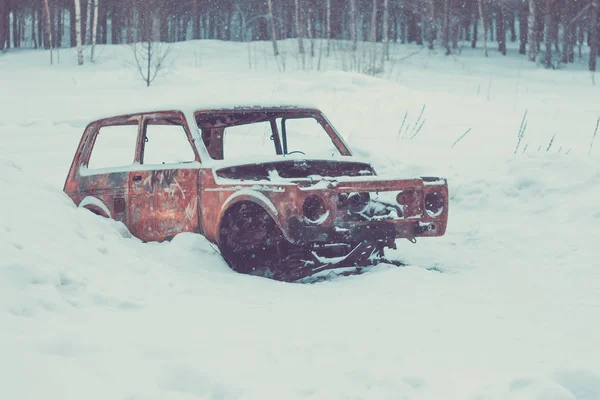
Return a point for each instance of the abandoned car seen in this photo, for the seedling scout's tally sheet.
(275, 188)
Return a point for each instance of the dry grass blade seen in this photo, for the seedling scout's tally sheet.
(594, 136)
(460, 138)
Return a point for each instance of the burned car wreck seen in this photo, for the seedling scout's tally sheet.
(275, 188)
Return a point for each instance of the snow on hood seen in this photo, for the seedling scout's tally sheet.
(275, 169)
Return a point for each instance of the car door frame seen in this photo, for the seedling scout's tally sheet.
(164, 198)
(104, 191)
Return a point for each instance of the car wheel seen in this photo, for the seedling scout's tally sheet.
(251, 242)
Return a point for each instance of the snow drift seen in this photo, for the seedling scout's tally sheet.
(88, 311)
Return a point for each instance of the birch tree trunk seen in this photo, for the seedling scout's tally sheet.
(196, 20)
(94, 29)
(353, 24)
(430, 23)
(40, 24)
(374, 22)
(33, 18)
(273, 32)
(77, 31)
(299, 29)
(60, 26)
(566, 16)
(15, 29)
(548, 55)
(88, 23)
(386, 28)
(475, 26)
(482, 17)
(328, 22)
(522, 32)
(511, 23)
(593, 36)
(501, 30)
(446, 27)
(49, 29)
(3, 16)
(309, 30)
(531, 34)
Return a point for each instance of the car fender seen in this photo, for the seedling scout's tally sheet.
(254, 196)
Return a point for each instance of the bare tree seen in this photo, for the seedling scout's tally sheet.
(531, 37)
(3, 20)
(299, 27)
(548, 55)
(273, 32)
(446, 27)
(49, 29)
(430, 25)
(593, 35)
(88, 23)
(522, 31)
(309, 29)
(501, 29)
(328, 22)
(77, 31)
(374, 22)
(150, 58)
(94, 30)
(196, 20)
(386, 28)
(483, 27)
(569, 39)
(353, 24)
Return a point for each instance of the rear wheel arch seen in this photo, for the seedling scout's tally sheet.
(96, 206)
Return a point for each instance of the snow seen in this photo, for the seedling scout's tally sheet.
(504, 306)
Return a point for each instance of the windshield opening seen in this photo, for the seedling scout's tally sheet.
(267, 134)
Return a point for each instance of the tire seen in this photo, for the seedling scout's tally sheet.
(251, 242)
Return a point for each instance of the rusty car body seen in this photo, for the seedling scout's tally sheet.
(285, 214)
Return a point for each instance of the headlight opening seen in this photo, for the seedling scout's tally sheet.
(314, 209)
(434, 203)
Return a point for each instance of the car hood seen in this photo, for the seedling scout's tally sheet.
(295, 169)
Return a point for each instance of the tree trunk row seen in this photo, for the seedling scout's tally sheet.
(561, 26)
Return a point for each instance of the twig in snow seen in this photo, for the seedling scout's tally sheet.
(521, 133)
(402, 126)
(550, 144)
(594, 136)
(460, 138)
(525, 148)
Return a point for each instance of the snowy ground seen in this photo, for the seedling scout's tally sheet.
(86, 312)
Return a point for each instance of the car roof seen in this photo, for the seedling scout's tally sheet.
(220, 108)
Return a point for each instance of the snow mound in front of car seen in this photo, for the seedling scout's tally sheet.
(58, 258)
